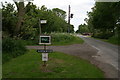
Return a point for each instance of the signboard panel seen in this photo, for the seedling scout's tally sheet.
(44, 56)
(45, 51)
(43, 21)
(45, 40)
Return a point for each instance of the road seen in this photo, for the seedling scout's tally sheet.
(107, 52)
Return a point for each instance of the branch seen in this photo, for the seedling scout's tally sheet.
(16, 3)
(27, 5)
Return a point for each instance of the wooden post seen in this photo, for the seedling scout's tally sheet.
(40, 27)
(44, 61)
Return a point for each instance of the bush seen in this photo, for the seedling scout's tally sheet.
(12, 48)
(30, 42)
(62, 37)
(114, 40)
(103, 35)
(65, 39)
(33, 41)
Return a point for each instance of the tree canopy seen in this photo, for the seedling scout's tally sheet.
(104, 18)
(24, 22)
(83, 28)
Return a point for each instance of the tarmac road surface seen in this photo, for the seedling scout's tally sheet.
(107, 53)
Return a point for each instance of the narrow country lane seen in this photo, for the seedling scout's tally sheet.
(107, 53)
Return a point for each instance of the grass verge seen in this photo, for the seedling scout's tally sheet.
(110, 40)
(65, 39)
(58, 39)
(60, 65)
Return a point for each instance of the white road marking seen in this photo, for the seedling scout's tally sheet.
(105, 61)
(98, 55)
(115, 67)
(95, 47)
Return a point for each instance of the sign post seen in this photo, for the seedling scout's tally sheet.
(41, 22)
(45, 40)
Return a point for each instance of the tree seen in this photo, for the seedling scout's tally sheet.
(20, 15)
(71, 28)
(103, 17)
(8, 19)
(83, 28)
(59, 13)
(29, 22)
(55, 23)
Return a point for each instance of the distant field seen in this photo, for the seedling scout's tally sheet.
(60, 65)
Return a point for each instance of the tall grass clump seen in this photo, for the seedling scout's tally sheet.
(65, 39)
(12, 48)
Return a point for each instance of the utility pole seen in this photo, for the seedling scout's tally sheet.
(69, 19)
(69, 16)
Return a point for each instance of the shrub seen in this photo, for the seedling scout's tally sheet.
(65, 39)
(103, 35)
(34, 41)
(12, 48)
(114, 40)
(62, 37)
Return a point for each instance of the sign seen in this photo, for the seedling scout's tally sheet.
(44, 56)
(45, 40)
(45, 51)
(43, 21)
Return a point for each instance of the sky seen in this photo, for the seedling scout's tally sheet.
(78, 7)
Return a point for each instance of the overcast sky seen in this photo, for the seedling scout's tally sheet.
(78, 7)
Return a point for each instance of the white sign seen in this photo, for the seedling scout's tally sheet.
(43, 21)
(44, 56)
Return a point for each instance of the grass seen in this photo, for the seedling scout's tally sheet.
(58, 39)
(65, 39)
(110, 40)
(114, 40)
(60, 65)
